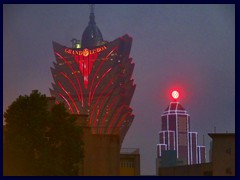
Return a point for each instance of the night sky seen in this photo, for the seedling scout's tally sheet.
(188, 47)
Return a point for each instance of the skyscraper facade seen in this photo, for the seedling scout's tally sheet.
(175, 136)
(94, 77)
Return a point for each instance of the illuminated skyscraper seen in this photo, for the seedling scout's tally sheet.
(175, 136)
(94, 77)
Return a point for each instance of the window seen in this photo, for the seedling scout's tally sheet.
(127, 164)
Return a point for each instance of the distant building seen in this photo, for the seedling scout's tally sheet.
(223, 154)
(204, 169)
(223, 160)
(176, 138)
(129, 162)
(94, 77)
(168, 159)
(201, 157)
(177, 144)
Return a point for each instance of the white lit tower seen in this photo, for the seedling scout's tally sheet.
(175, 136)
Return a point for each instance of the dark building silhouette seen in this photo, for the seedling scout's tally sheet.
(96, 79)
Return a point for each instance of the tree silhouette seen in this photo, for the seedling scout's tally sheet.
(39, 141)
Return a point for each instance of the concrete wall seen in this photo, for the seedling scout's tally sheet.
(101, 152)
(223, 154)
(204, 169)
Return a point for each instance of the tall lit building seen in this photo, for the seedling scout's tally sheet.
(94, 77)
(176, 139)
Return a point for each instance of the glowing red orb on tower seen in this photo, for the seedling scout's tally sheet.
(175, 95)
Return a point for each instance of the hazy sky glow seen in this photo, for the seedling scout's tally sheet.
(187, 47)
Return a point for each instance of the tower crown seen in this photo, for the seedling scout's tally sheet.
(175, 107)
(92, 36)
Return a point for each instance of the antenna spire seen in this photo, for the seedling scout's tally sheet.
(92, 17)
(92, 6)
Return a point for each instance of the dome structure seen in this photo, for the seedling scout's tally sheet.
(92, 36)
(175, 107)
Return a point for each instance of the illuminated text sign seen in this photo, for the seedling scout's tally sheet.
(85, 52)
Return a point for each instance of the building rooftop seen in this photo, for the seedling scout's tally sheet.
(175, 107)
(129, 151)
(91, 36)
(213, 135)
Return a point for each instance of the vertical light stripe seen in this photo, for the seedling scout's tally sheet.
(204, 154)
(174, 140)
(177, 135)
(176, 107)
(188, 141)
(167, 122)
(200, 158)
(191, 149)
(164, 138)
(168, 140)
(196, 146)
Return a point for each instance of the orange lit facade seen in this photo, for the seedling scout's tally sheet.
(129, 162)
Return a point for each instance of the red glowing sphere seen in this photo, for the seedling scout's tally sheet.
(175, 94)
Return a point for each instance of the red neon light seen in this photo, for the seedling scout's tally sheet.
(90, 91)
(100, 81)
(175, 94)
(106, 115)
(85, 71)
(72, 85)
(113, 120)
(69, 65)
(85, 64)
(103, 100)
(69, 97)
(123, 117)
(90, 121)
(69, 106)
(79, 60)
(87, 76)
